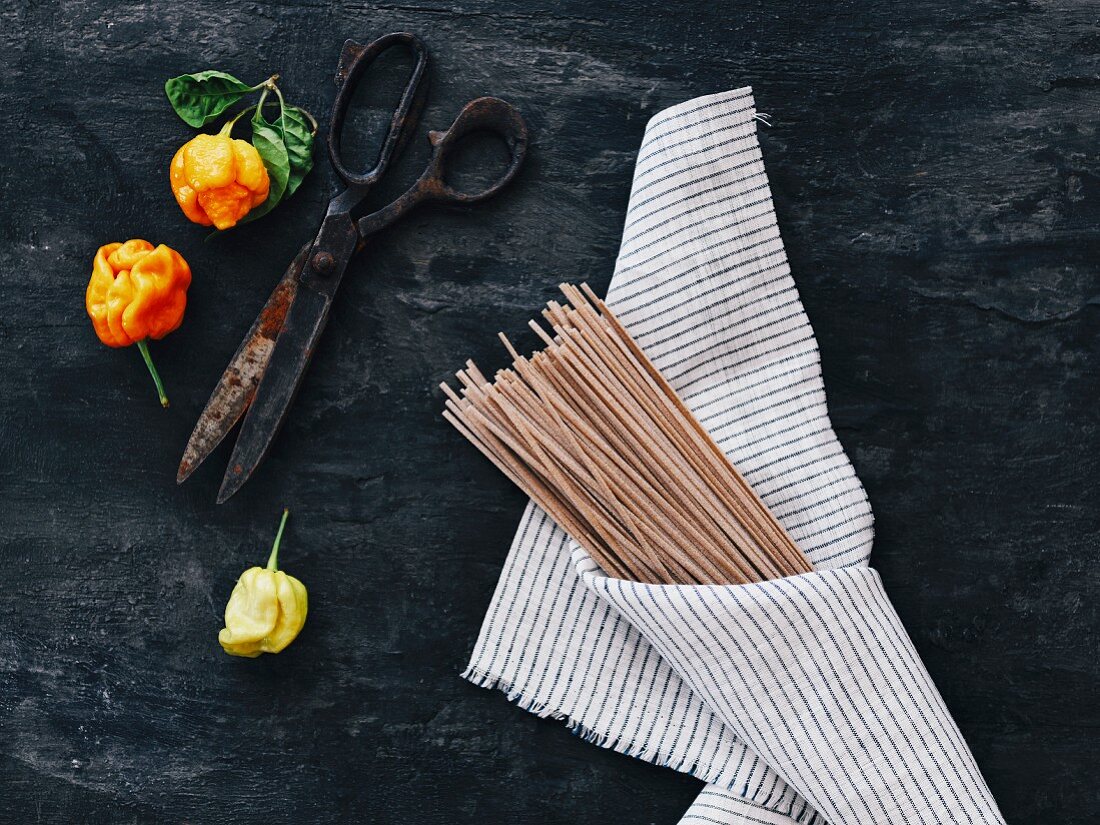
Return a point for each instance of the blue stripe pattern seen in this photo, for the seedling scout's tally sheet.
(702, 282)
(817, 675)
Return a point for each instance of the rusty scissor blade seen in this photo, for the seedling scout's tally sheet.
(238, 383)
(279, 384)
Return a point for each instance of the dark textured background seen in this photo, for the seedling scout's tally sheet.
(936, 174)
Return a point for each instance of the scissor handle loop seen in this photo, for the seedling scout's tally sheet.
(485, 114)
(354, 60)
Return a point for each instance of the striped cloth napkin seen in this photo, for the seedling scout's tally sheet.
(798, 700)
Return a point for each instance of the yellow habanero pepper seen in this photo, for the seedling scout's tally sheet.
(217, 179)
(135, 293)
(266, 610)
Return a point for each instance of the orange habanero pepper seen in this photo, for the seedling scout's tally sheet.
(217, 179)
(137, 292)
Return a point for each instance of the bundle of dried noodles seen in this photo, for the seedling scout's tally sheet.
(591, 430)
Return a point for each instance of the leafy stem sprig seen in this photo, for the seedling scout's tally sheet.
(285, 144)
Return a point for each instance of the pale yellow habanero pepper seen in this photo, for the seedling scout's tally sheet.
(266, 610)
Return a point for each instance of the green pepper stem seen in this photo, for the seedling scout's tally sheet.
(267, 86)
(144, 348)
(269, 82)
(229, 124)
(273, 559)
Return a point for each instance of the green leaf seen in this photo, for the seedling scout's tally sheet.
(298, 137)
(268, 140)
(199, 98)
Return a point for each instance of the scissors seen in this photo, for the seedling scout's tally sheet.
(264, 375)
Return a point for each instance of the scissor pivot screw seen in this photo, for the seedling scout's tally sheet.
(323, 263)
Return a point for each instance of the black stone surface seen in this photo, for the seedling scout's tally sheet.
(937, 182)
